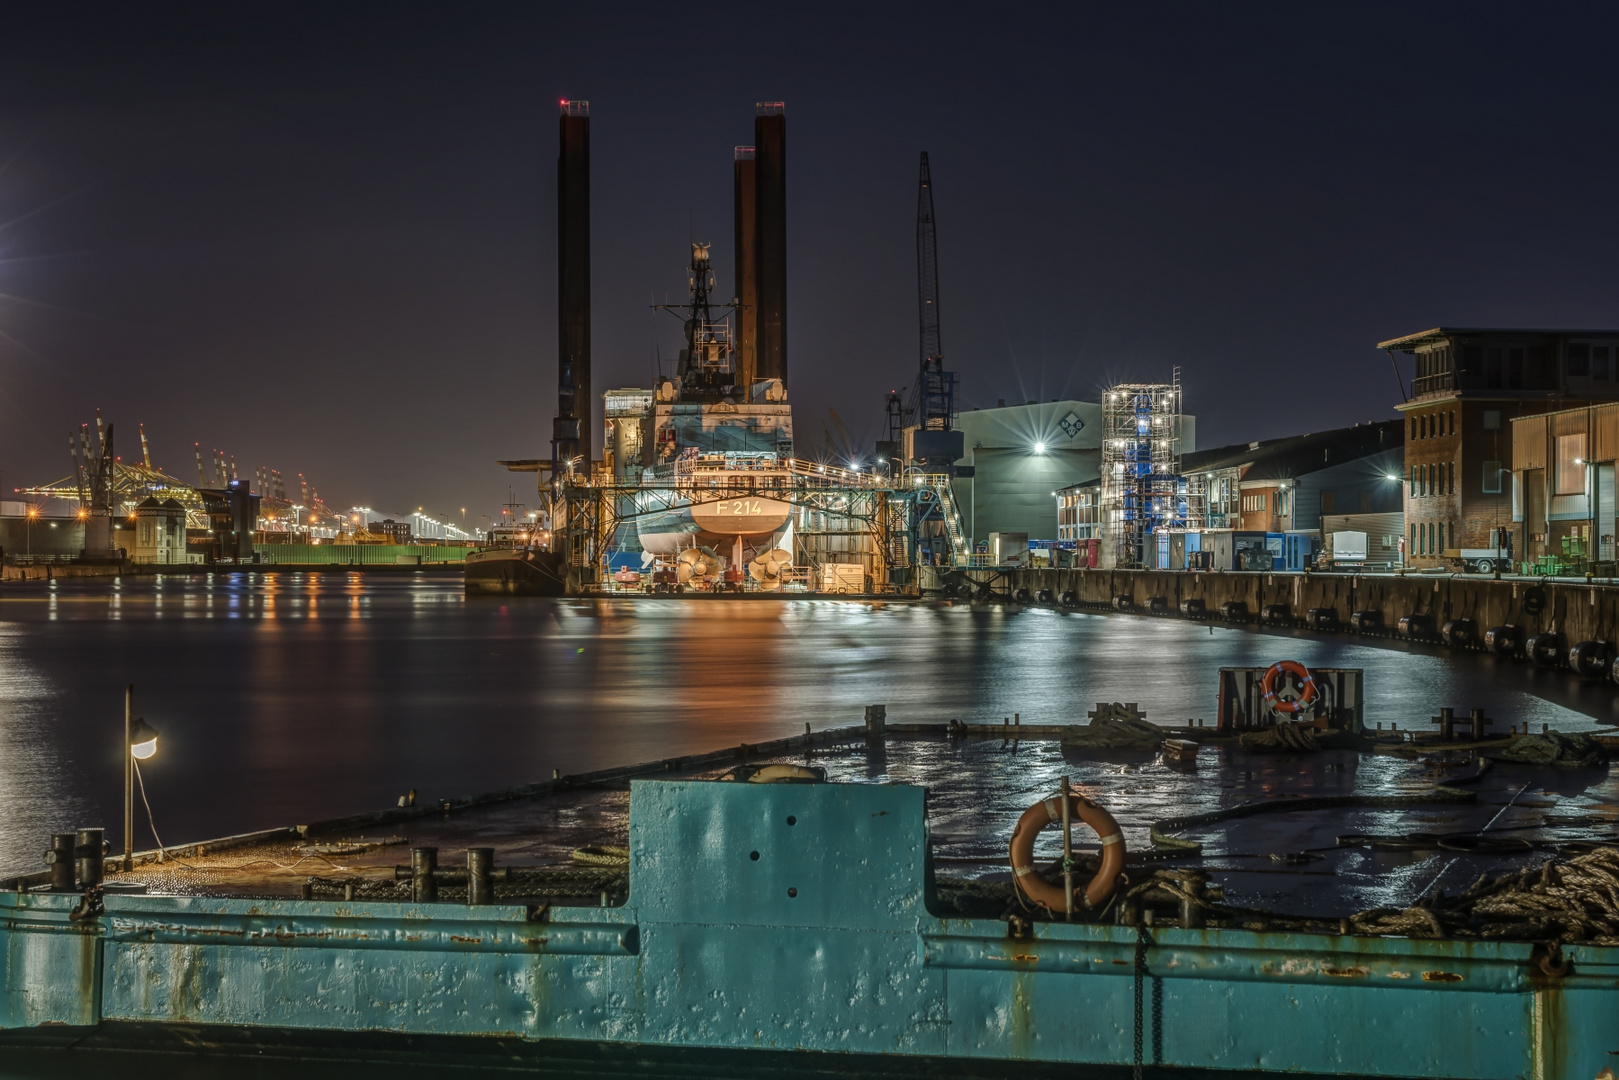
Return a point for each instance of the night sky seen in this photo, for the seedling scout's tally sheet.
(321, 237)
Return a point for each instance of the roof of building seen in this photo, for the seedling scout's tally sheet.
(1299, 455)
(1441, 333)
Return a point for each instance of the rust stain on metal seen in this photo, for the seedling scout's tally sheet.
(1025, 958)
(1441, 976)
(466, 940)
(1356, 972)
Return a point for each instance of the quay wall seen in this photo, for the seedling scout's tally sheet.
(1579, 611)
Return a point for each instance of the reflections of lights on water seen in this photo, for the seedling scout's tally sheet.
(311, 695)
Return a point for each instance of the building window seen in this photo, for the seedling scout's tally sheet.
(1492, 478)
(1451, 419)
(1492, 419)
(1570, 465)
(1515, 369)
(1450, 477)
(1492, 369)
(1599, 362)
(1579, 360)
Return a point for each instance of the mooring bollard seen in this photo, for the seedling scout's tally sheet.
(89, 849)
(480, 877)
(60, 858)
(423, 885)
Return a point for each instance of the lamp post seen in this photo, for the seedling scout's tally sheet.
(140, 741)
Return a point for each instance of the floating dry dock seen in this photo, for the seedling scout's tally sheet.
(762, 918)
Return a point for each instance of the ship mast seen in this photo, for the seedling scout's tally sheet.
(707, 363)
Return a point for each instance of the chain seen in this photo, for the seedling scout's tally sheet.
(1142, 941)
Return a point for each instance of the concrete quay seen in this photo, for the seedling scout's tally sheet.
(1578, 611)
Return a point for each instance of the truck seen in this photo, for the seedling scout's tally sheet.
(1346, 549)
(1487, 560)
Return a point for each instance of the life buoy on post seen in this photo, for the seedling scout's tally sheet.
(1308, 691)
(1047, 812)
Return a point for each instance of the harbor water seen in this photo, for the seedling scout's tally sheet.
(288, 697)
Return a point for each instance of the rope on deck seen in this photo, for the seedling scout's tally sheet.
(1573, 901)
(1161, 830)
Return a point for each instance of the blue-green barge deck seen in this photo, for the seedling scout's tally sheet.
(796, 917)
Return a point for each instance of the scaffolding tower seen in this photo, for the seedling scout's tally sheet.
(1143, 491)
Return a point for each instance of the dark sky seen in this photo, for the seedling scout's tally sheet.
(321, 237)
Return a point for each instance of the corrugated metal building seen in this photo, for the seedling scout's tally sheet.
(1562, 483)
(1021, 455)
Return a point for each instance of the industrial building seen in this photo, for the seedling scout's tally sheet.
(1470, 385)
(1560, 486)
(1259, 505)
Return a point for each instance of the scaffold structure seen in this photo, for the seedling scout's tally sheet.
(1143, 491)
(838, 516)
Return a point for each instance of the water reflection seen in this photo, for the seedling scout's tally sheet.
(290, 697)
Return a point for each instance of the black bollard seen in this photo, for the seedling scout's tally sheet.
(89, 848)
(423, 885)
(60, 858)
(480, 875)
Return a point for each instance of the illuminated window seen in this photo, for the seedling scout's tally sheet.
(1570, 464)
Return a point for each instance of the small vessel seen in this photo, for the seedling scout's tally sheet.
(513, 563)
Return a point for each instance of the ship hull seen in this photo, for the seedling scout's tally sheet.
(714, 524)
(515, 572)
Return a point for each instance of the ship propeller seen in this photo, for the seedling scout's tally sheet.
(768, 568)
(695, 564)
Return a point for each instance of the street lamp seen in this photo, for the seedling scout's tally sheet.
(33, 512)
(140, 741)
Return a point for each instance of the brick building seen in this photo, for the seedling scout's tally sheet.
(1470, 384)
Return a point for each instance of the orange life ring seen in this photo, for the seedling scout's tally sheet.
(1045, 812)
(1308, 691)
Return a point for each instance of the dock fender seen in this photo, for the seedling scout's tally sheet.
(1546, 650)
(1592, 658)
(1503, 640)
(1049, 811)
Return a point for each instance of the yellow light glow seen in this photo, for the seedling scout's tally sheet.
(144, 750)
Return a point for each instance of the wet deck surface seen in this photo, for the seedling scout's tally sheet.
(979, 787)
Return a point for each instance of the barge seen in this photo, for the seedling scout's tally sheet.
(841, 902)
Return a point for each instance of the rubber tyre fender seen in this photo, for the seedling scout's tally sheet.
(1044, 596)
(1504, 640)
(1546, 650)
(1021, 596)
(1124, 603)
(1591, 658)
(1367, 622)
(1070, 598)
(1459, 633)
(1534, 600)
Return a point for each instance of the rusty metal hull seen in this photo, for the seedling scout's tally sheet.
(515, 571)
(795, 918)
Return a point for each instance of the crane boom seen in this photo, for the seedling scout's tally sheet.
(933, 400)
(927, 266)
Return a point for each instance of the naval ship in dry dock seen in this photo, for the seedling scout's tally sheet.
(711, 450)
